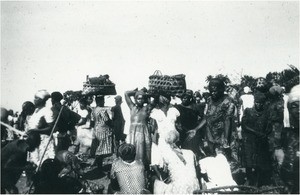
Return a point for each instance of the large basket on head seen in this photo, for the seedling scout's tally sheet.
(98, 86)
(169, 85)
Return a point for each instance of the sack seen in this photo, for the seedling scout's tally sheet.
(169, 85)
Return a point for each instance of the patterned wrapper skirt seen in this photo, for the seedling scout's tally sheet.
(105, 137)
(36, 155)
(140, 137)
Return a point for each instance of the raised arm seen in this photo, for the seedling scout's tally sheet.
(128, 100)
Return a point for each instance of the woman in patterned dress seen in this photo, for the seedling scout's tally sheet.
(139, 134)
(128, 174)
(102, 131)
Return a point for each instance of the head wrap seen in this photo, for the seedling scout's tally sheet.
(42, 94)
(127, 151)
(259, 97)
(189, 92)
(197, 94)
(27, 105)
(139, 93)
(294, 94)
(57, 96)
(260, 82)
(276, 90)
(118, 98)
(247, 89)
(164, 99)
(172, 137)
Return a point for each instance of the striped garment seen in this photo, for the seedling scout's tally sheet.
(102, 131)
(140, 137)
(130, 176)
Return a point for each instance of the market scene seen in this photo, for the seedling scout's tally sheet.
(150, 97)
(241, 138)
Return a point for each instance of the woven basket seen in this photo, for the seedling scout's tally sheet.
(164, 84)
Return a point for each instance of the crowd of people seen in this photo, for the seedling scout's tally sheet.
(206, 140)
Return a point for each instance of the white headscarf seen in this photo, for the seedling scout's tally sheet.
(294, 94)
(43, 94)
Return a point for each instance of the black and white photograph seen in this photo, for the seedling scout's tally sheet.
(150, 97)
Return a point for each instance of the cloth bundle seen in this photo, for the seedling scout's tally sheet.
(98, 86)
(169, 85)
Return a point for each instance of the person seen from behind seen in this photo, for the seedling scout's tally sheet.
(102, 132)
(118, 121)
(14, 161)
(127, 174)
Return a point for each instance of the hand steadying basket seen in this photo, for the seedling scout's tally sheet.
(169, 85)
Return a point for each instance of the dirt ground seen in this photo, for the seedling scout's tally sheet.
(92, 175)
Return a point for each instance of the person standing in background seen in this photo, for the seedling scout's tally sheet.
(66, 121)
(118, 121)
(275, 127)
(247, 101)
(103, 134)
(187, 122)
(219, 116)
(290, 140)
(254, 132)
(27, 110)
(42, 121)
(81, 127)
(219, 119)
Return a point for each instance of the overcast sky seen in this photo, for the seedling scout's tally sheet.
(54, 45)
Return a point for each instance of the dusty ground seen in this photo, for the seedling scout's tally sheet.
(92, 175)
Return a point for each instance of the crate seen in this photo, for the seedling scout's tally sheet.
(98, 86)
